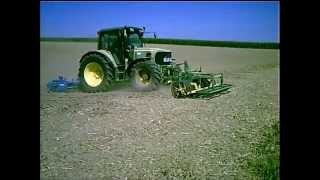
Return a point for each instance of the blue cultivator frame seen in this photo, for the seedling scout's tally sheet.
(62, 85)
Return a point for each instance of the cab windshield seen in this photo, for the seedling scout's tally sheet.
(135, 40)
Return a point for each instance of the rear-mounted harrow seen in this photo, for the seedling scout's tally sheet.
(189, 83)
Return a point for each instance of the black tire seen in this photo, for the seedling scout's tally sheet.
(152, 76)
(107, 75)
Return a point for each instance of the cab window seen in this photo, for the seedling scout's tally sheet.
(110, 41)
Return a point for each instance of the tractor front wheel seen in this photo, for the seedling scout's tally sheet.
(145, 76)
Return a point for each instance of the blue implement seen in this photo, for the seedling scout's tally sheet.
(62, 85)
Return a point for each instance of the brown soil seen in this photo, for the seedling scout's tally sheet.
(147, 135)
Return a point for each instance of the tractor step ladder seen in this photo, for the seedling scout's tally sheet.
(120, 76)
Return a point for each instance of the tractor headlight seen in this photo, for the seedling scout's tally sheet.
(163, 58)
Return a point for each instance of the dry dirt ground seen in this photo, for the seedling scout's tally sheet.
(123, 134)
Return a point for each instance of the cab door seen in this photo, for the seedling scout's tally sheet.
(113, 43)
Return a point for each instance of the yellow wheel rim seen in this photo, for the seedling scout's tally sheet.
(93, 74)
(144, 77)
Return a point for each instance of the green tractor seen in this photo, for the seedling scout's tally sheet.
(121, 55)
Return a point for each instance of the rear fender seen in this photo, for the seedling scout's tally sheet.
(105, 54)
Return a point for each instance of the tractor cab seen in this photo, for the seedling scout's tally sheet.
(120, 42)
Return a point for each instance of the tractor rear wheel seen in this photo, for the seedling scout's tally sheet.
(95, 74)
(145, 76)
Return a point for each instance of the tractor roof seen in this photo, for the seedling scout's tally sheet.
(116, 28)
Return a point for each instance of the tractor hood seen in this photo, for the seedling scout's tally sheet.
(151, 49)
(151, 52)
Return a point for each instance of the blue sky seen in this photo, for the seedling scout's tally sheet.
(238, 21)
